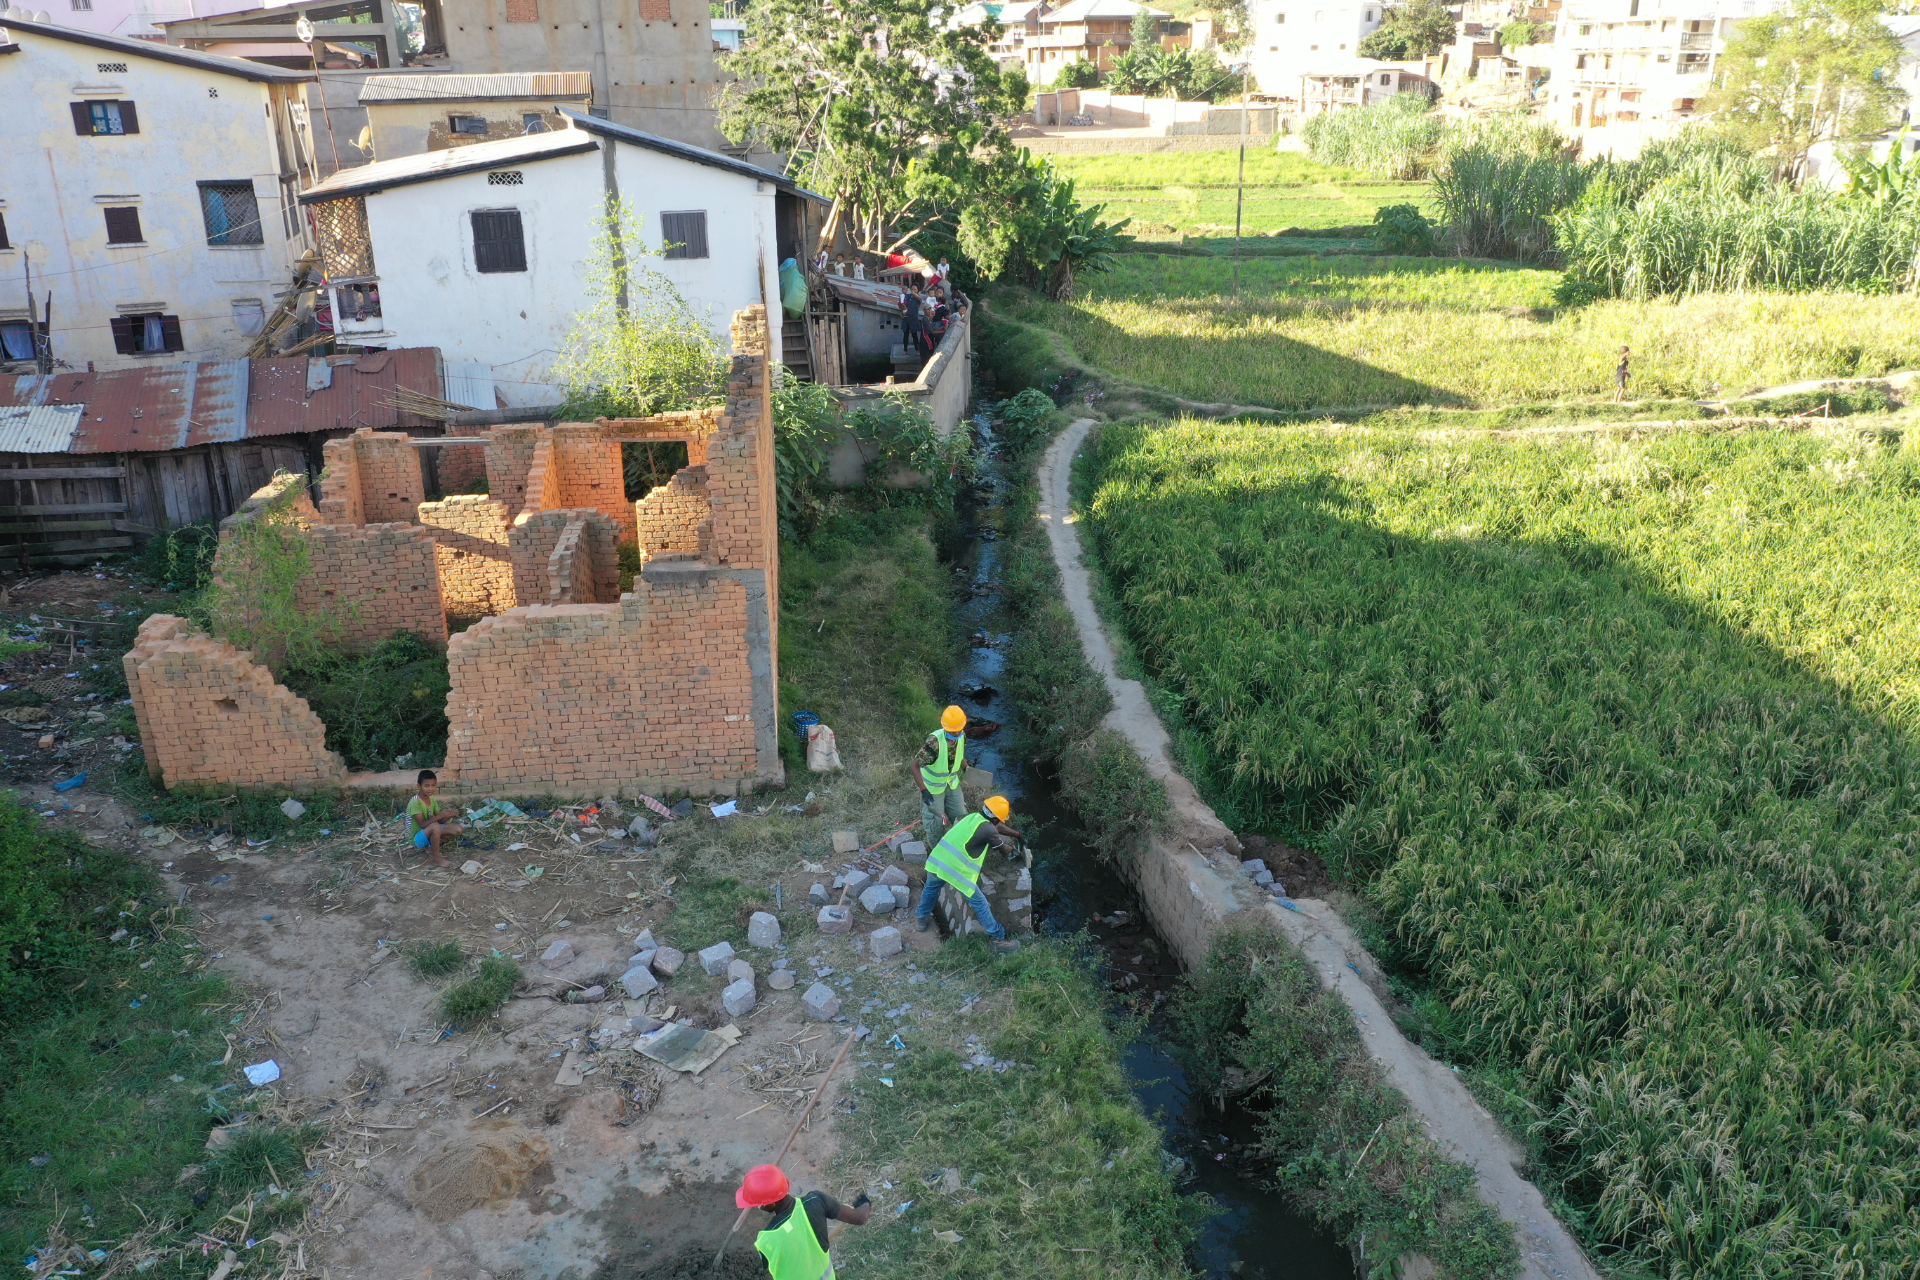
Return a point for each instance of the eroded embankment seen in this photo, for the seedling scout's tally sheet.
(1188, 878)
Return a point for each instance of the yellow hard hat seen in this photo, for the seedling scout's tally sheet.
(998, 807)
(953, 720)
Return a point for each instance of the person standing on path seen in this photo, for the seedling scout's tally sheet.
(1621, 372)
(795, 1242)
(957, 860)
(940, 763)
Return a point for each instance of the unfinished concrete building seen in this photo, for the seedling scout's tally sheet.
(564, 683)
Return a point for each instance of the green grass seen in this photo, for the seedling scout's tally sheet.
(478, 997)
(430, 960)
(1618, 735)
(1423, 331)
(1061, 1172)
(1192, 193)
(114, 1072)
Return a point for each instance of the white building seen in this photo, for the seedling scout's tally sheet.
(484, 251)
(1295, 38)
(133, 19)
(151, 191)
(1627, 72)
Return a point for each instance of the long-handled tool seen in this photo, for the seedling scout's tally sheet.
(782, 1154)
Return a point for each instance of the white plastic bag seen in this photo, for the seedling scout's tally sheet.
(822, 753)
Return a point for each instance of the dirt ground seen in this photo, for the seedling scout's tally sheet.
(459, 1155)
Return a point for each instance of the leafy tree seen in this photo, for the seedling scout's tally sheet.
(1815, 71)
(1411, 30)
(1145, 31)
(858, 91)
(1518, 35)
(1077, 75)
(1170, 73)
(1017, 218)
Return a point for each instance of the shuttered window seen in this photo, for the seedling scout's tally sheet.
(685, 233)
(232, 213)
(145, 333)
(104, 119)
(497, 241)
(123, 224)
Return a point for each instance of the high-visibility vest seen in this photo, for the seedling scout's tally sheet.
(949, 858)
(793, 1251)
(942, 773)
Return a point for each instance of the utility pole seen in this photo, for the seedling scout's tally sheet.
(1240, 187)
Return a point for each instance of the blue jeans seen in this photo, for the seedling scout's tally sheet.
(981, 910)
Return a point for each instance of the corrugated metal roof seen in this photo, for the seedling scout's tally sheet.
(867, 293)
(219, 62)
(428, 165)
(178, 406)
(478, 88)
(687, 151)
(38, 429)
(468, 382)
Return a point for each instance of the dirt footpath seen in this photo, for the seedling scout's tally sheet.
(538, 1143)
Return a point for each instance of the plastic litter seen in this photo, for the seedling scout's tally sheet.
(263, 1072)
(76, 780)
(726, 810)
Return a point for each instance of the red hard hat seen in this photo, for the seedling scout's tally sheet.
(764, 1185)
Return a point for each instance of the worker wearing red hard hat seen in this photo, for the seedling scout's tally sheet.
(795, 1242)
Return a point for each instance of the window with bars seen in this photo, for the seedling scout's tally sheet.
(346, 247)
(145, 333)
(498, 241)
(108, 118)
(123, 224)
(231, 212)
(506, 178)
(685, 233)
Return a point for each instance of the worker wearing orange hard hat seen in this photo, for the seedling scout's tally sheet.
(795, 1242)
(957, 859)
(940, 763)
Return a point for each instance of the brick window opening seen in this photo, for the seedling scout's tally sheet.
(123, 224)
(229, 706)
(499, 243)
(145, 333)
(523, 10)
(685, 233)
(231, 212)
(104, 119)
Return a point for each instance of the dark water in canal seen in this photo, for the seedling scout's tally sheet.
(1255, 1235)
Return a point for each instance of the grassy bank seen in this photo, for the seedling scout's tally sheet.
(1059, 1173)
(1618, 735)
(112, 1056)
(1192, 193)
(1424, 331)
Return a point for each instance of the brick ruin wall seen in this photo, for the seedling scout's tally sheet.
(209, 713)
(676, 516)
(459, 466)
(655, 691)
(470, 535)
(558, 685)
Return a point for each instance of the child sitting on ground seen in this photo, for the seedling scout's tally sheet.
(424, 811)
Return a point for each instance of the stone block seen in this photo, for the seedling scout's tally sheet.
(846, 842)
(780, 980)
(819, 896)
(763, 930)
(739, 998)
(902, 896)
(893, 875)
(914, 851)
(1263, 877)
(1253, 866)
(1025, 883)
(857, 882)
(820, 1002)
(738, 969)
(885, 942)
(667, 961)
(557, 956)
(878, 899)
(639, 981)
(1019, 904)
(645, 941)
(836, 920)
(644, 959)
(644, 1024)
(714, 958)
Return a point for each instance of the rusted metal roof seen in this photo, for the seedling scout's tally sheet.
(38, 428)
(178, 406)
(877, 294)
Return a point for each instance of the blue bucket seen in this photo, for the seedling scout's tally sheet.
(802, 721)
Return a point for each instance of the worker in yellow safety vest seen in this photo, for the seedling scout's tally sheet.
(941, 760)
(794, 1243)
(957, 859)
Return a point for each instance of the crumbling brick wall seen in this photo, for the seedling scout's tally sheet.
(543, 479)
(590, 473)
(375, 580)
(676, 516)
(370, 477)
(654, 691)
(460, 465)
(586, 571)
(476, 567)
(509, 458)
(208, 713)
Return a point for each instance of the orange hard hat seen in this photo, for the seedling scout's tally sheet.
(953, 720)
(764, 1185)
(998, 807)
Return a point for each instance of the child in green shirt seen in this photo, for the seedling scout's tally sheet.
(424, 811)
